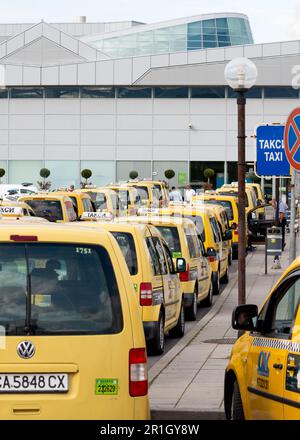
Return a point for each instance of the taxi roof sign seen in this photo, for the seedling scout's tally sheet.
(99, 215)
(14, 211)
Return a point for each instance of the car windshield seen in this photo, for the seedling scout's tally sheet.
(170, 234)
(197, 220)
(71, 289)
(225, 203)
(49, 209)
(99, 199)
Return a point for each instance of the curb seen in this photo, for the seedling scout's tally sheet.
(163, 363)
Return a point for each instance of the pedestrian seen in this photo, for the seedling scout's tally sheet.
(283, 207)
(71, 188)
(175, 195)
(189, 193)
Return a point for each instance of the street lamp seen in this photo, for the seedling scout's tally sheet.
(241, 75)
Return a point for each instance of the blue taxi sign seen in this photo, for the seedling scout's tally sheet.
(270, 152)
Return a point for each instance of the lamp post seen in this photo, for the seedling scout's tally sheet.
(241, 75)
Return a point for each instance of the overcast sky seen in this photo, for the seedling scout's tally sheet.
(271, 20)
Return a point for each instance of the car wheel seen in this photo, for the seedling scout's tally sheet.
(191, 312)
(156, 345)
(207, 302)
(237, 412)
(178, 330)
(225, 277)
(216, 283)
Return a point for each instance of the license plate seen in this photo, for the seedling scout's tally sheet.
(34, 383)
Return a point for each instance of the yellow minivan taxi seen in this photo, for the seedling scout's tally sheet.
(210, 233)
(262, 379)
(128, 199)
(230, 203)
(81, 201)
(104, 199)
(15, 209)
(250, 198)
(153, 194)
(154, 277)
(54, 208)
(183, 241)
(74, 346)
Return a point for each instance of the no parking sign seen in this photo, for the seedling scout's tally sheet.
(292, 139)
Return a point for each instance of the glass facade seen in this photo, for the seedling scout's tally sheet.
(216, 32)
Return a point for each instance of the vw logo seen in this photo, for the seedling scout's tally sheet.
(26, 349)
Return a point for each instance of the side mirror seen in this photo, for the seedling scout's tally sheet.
(180, 265)
(227, 235)
(234, 226)
(244, 317)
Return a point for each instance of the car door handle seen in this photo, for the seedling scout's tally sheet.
(278, 366)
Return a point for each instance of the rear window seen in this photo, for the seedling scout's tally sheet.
(226, 204)
(49, 209)
(74, 201)
(73, 290)
(143, 193)
(87, 206)
(126, 242)
(99, 199)
(197, 220)
(171, 236)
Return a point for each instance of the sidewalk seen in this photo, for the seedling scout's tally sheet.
(187, 382)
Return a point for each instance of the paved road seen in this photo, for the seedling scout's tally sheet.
(189, 325)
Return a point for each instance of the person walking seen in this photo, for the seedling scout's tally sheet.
(175, 195)
(189, 193)
(283, 207)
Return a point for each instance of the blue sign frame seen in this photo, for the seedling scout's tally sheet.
(270, 152)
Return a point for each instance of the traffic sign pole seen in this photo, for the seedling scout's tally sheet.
(292, 254)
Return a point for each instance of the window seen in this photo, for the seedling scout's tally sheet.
(62, 92)
(281, 93)
(3, 93)
(126, 242)
(278, 315)
(49, 209)
(73, 289)
(226, 204)
(153, 257)
(99, 199)
(190, 243)
(87, 206)
(74, 201)
(208, 92)
(253, 93)
(72, 217)
(170, 234)
(169, 259)
(97, 92)
(24, 92)
(171, 92)
(160, 255)
(143, 194)
(134, 92)
(197, 220)
(215, 230)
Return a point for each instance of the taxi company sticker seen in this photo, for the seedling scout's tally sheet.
(263, 364)
(107, 387)
(176, 254)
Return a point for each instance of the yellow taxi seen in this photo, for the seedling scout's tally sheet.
(73, 346)
(54, 208)
(211, 236)
(152, 193)
(128, 199)
(81, 201)
(262, 379)
(154, 278)
(250, 198)
(104, 199)
(15, 209)
(230, 203)
(183, 241)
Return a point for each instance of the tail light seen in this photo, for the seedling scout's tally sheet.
(146, 294)
(185, 276)
(138, 377)
(236, 231)
(23, 238)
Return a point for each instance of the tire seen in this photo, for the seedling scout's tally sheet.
(178, 330)
(225, 277)
(207, 302)
(216, 283)
(237, 412)
(156, 345)
(191, 312)
(235, 254)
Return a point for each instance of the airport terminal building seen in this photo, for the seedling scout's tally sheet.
(123, 96)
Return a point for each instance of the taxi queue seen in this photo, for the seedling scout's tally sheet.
(112, 271)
